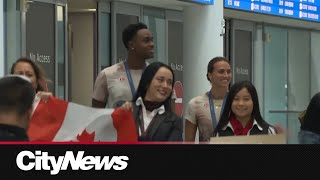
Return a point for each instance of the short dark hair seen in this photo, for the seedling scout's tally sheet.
(39, 72)
(130, 31)
(16, 94)
(146, 79)
(213, 61)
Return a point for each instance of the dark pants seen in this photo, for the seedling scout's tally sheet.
(308, 137)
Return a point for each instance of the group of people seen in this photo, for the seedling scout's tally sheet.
(224, 111)
(146, 90)
(151, 102)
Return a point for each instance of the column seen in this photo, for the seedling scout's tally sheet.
(202, 41)
(2, 67)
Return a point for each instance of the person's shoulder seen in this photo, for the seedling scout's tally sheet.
(271, 129)
(198, 99)
(112, 69)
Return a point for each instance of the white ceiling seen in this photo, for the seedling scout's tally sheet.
(166, 4)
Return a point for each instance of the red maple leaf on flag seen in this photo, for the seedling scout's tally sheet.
(85, 136)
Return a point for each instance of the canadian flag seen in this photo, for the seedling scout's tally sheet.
(57, 120)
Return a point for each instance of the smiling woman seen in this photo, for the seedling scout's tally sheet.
(241, 114)
(151, 105)
(203, 111)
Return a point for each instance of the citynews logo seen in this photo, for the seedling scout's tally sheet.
(42, 161)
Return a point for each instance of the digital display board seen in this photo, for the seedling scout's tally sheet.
(204, 1)
(298, 9)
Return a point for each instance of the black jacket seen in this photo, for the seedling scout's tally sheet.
(163, 127)
(255, 130)
(12, 133)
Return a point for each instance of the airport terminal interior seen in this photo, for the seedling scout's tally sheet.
(75, 39)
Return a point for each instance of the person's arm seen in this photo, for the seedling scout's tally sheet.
(44, 95)
(98, 104)
(127, 105)
(190, 131)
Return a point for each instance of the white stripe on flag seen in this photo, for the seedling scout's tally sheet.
(35, 103)
(79, 118)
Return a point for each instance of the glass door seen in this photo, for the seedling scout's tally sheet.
(275, 75)
(44, 41)
(122, 15)
(154, 18)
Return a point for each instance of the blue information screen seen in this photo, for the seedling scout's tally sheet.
(204, 1)
(298, 9)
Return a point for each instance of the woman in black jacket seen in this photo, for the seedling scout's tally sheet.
(151, 105)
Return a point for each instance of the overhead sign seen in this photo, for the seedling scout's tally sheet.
(298, 9)
(208, 2)
(204, 1)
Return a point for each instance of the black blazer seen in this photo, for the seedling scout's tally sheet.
(163, 127)
(12, 133)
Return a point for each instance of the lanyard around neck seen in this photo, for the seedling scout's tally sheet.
(213, 113)
(126, 66)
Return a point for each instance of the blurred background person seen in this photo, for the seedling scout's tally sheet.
(26, 67)
(16, 99)
(310, 122)
(203, 112)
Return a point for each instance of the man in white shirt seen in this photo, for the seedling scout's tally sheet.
(118, 82)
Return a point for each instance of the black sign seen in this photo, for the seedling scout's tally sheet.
(40, 37)
(243, 55)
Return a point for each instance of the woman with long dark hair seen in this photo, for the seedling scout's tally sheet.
(241, 113)
(151, 105)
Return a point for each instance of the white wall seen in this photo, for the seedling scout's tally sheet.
(201, 42)
(82, 57)
(2, 67)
